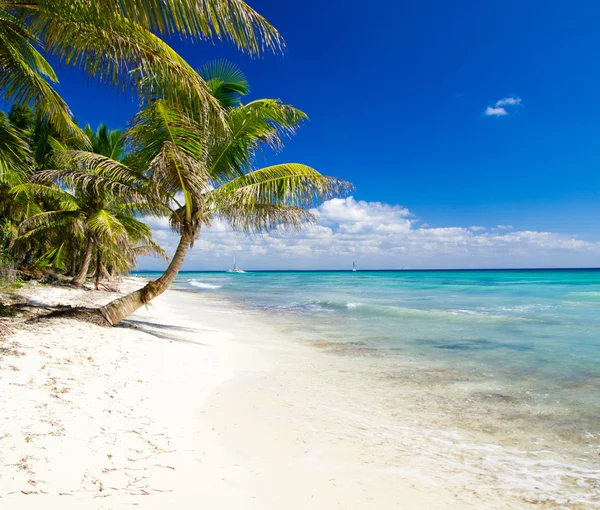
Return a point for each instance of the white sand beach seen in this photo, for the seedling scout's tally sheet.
(184, 407)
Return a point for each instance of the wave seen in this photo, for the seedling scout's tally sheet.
(432, 314)
(378, 310)
(307, 308)
(583, 296)
(202, 285)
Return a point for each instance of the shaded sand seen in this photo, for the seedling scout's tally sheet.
(191, 406)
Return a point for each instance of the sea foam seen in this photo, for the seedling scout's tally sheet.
(202, 285)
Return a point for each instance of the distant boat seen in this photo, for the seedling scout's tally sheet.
(235, 268)
(353, 266)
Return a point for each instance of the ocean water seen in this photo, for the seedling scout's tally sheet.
(507, 360)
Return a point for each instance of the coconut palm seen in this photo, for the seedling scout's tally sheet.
(76, 220)
(119, 43)
(16, 161)
(201, 175)
(69, 234)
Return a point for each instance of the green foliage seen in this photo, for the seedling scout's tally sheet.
(226, 82)
(6, 239)
(64, 190)
(198, 173)
(65, 209)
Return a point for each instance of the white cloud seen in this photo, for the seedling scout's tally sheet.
(377, 235)
(499, 110)
(505, 227)
(513, 100)
(495, 112)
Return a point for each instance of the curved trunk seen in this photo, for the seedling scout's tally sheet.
(115, 311)
(85, 265)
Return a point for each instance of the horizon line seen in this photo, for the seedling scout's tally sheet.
(376, 270)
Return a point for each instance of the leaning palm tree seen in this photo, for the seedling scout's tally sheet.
(201, 175)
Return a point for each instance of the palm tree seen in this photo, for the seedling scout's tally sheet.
(202, 175)
(79, 218)
(16, 161)
(215, 177)
(117, 42)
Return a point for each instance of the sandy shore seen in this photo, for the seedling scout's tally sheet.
(183, 405)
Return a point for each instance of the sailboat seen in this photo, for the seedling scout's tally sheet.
(235, 268)
(353, 266)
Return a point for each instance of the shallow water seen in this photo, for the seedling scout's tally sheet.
(508, 359)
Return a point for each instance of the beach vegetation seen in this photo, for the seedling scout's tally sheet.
(119, 43)
(83, 222)
(75, 198)
(200, 174)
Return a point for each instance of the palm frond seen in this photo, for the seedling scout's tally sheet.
(55, 257)
(263, 122)
(25, 75)
(289, 184)
(15, 155)
(105, 225)
(48, 191)
(231, 20)
(152, 248)
(124, 54)
(263, 217)
(48, 220)
(226, 82)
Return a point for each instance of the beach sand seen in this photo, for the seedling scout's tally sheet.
(183, 406)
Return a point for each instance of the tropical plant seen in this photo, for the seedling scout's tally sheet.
(117, 42)
(15, 167)
(78, 220)
(201, 175)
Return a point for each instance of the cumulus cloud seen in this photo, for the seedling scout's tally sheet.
(498, 109)
(376, 235)
(490, 111)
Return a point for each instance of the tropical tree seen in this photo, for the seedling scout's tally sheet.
(201, 175)
(78, 219)
(16, 161)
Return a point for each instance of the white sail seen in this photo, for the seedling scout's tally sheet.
(235, 268)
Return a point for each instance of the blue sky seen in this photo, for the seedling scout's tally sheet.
(396, 93)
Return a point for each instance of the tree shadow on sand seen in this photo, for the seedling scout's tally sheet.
(163, 331)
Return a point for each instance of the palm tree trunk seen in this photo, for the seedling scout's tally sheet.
(72, 266)
(115, 311)
(98, 268)
(83, 271)
(29, 257)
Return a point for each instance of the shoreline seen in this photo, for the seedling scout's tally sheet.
(184, 405)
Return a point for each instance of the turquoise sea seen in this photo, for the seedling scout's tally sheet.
(511, 358)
